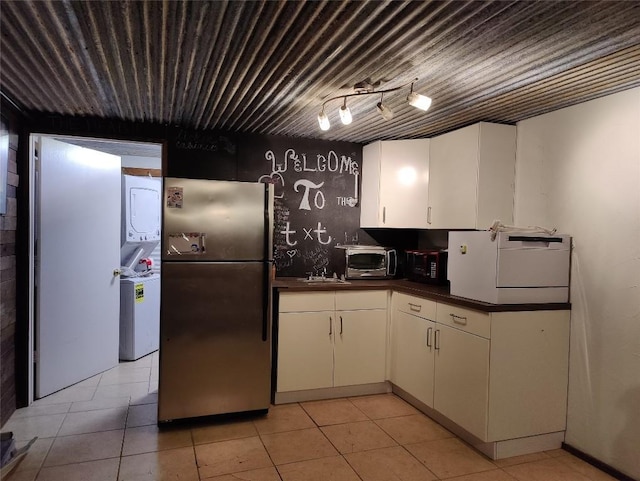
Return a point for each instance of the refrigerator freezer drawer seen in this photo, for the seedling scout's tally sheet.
(215, 351)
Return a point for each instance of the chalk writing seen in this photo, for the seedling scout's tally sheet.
(277, 180)
(321, 231)
(287, 233)
(318, 199)
(203, 140)
(307, 233)
(318, 230)
(347, 201)
(330, 162)
(316, 202)
(316, 259)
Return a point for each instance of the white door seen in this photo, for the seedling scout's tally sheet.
(412, 361)
(404, 183)
(453, 179)
(461, 390)
(305, 350)
(78, 249)
(360, 347)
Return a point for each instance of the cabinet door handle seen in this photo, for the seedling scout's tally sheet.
(384, 215)
(429, 215)
(459, 319)
(429, 329)
(330, 325)
(415, 307)
(341, 325)
(437, 340)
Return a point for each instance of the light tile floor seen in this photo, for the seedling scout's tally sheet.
(104, 429)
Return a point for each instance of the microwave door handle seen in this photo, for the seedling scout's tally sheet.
(395, 261)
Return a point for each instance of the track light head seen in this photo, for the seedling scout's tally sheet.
(345, 113)
(323, 120)
(418, 101)
(385, 111)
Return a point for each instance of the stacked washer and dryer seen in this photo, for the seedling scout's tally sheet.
(140, 282)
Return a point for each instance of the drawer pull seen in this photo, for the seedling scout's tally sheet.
(429, 329)
(436, 343)
(330, 324)
(459, 319)
(415, 307)
(341, 325)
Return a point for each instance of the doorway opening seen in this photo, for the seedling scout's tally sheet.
(82, 256)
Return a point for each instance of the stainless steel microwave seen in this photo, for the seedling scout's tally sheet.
(369, 262)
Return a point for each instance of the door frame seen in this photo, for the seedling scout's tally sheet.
(33, 234)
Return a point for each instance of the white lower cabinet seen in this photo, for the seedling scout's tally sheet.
(412, 346)
(499, 375)
(342, 343)
(461, 388)
(305, 351)
(360, 345)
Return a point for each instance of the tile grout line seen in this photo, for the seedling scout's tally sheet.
(267, 451)
(195, 455)
(334, 446)
(124, 434)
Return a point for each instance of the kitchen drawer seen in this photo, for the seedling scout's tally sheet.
(307, 302)
(416, 306)
(351, 301)
(474, 322)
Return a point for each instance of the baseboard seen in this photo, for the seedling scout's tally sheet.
(331, 393)
(611, 471)
(492, 449)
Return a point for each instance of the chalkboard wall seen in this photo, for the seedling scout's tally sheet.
(316, 198)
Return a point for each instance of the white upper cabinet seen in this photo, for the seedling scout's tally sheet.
(472, 173)
(395, 184)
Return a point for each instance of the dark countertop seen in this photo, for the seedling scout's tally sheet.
(436, 293)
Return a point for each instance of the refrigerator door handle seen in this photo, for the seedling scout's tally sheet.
(266, 275)
(267, 271)
(268, 221)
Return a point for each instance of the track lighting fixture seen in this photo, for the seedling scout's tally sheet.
(414, 99)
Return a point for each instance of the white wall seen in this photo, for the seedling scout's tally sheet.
(141, 162)
(578, 169)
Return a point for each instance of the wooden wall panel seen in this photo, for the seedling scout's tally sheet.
(8, 225)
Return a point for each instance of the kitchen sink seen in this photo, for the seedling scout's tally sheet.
(323, 280)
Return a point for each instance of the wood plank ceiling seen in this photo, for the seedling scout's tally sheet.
(267, 66)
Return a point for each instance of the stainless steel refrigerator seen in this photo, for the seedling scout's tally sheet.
(215, 320)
